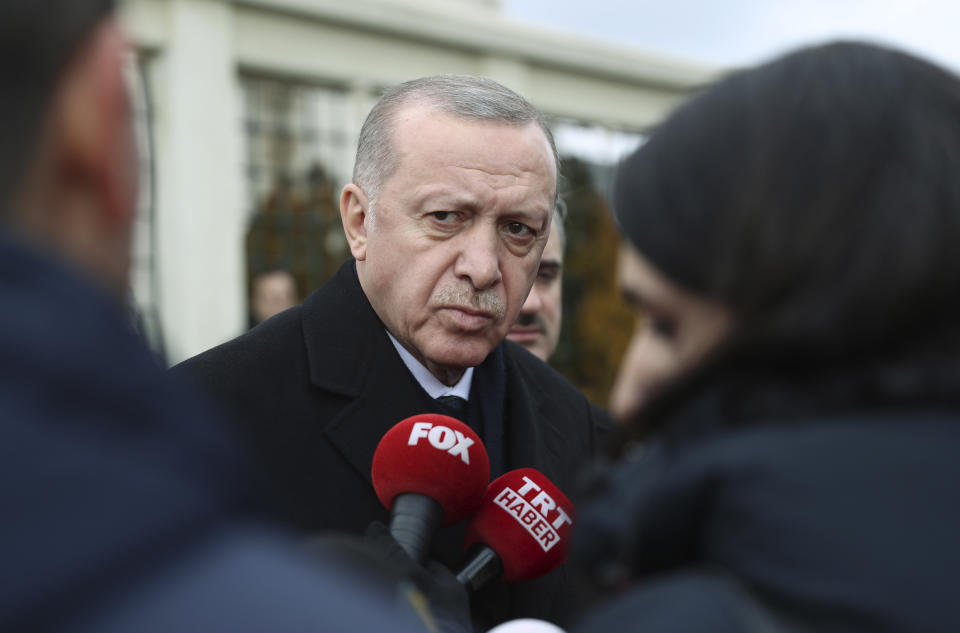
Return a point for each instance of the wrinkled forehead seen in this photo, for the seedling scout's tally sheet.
(412, 120)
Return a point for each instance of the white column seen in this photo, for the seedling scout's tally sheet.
(200, 219)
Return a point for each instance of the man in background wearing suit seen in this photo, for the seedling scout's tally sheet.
(450, 207)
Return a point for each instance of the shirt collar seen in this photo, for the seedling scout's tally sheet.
(428, 381)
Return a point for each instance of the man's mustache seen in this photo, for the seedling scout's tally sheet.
(487, 302)
(530, 319)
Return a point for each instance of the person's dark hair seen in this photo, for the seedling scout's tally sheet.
(818, 198)
(37, 38)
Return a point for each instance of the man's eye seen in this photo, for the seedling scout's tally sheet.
(547, 274)
(519, 229)
(444, 216)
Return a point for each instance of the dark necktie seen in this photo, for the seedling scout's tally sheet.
(455, 403)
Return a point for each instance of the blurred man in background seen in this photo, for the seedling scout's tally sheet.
(538, 326)
(271, 292)
(123, 503)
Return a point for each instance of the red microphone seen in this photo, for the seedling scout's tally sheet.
(428, 470)
(521, 531)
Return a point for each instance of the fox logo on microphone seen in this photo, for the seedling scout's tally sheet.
(435, 456)
(442, 438)
(536, 507)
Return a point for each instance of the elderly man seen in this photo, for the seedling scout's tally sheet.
(538, 326)
(447, 216)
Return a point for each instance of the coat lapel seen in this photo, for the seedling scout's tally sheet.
(532, 440)
(388, 399)
(349, 354)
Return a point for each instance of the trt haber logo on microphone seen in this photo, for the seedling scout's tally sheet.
(527, 521)
(536, 510)
(442, 438)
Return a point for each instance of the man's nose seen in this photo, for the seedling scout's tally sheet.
(479, 258)
(533, 304)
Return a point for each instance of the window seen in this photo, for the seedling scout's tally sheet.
(299, 154)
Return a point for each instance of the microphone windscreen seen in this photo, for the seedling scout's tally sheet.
(526, 625)
(527, 521)
(436, 456)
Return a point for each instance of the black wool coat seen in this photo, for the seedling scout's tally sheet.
(316, 387)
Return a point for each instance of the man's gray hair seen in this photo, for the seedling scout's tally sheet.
(461, 96)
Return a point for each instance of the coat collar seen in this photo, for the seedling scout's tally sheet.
(349, 354)
(533, 441)
(341, 332)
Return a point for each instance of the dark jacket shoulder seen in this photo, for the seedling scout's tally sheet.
(255, 369)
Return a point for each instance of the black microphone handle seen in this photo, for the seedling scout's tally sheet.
(483, 567)
(413, 520)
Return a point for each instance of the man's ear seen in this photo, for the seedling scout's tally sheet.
(97, 145)
(79, 196)
(353, 213)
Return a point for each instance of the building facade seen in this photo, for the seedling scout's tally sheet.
(251, 103)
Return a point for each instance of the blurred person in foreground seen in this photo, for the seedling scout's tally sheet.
(538, 326)
(450, 207)
(792, 236)
(657, 353)
(125, 507)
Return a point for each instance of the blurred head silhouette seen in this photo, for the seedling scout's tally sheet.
(797, 216)
(272, 292)
(67, 163)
